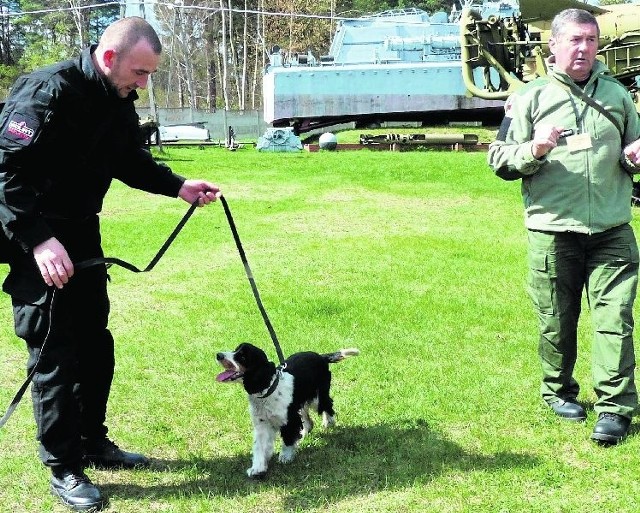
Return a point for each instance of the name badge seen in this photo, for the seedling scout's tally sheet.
(579, 142)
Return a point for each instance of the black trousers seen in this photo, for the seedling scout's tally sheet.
(72, 382)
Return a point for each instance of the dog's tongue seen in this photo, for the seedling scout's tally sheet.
(225, 375)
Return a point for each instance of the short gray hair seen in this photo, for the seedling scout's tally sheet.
(578, 16)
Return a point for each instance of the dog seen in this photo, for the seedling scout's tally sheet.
(280, 397)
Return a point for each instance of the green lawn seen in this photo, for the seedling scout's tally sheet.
(416, 258)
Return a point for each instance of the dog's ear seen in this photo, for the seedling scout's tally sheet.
(259, 378)
(250, 356)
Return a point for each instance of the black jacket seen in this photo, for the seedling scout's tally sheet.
(64, 135)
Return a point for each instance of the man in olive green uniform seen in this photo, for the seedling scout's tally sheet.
(575, 162)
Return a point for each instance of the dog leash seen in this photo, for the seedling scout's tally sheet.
(109, 261)
(252, 282)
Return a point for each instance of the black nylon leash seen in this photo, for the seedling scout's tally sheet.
(122, 263)
(109, 261)
(252, 282)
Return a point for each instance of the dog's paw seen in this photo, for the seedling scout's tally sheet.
(307, 427)
(256, 473)
(287, 454)
(328, 420)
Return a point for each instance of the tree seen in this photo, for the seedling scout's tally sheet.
(215, 50)
(184, 33)
(363, 7)
(58, 29)
(10, 36)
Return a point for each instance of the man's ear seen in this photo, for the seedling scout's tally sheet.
(108, 57)
(552, 45)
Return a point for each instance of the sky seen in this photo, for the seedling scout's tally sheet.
(142, 8)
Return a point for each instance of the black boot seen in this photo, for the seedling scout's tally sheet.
(75, 490)
(610, 428)
(105, 454)
(569, 410)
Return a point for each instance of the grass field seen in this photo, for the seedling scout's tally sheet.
(418, 259)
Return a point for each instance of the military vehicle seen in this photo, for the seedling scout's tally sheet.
(400, 65)
(514, 47)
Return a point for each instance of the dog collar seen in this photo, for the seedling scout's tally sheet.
(273, 385)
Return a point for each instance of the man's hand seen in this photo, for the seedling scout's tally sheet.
(632, 153)
(545, 138)
(54, 263)
(201, 190)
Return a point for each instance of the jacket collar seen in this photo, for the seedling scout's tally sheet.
(599, 69)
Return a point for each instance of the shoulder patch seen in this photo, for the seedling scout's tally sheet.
(504, 128)
(507, 105)
(20, 128)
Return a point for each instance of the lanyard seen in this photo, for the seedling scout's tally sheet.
(589, 101)
(580, 115)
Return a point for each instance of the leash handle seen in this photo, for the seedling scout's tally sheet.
(252, 282)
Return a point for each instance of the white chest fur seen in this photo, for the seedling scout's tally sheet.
(273, 409)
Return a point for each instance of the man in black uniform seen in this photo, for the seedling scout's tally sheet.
(66, 131)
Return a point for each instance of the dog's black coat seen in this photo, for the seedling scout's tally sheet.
(279, 397)
(311, 375)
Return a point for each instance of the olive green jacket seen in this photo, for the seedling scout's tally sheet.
(584, 191)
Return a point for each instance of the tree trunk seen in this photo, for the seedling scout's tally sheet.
(224, 52)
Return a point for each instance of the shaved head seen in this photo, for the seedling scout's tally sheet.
(125, 33)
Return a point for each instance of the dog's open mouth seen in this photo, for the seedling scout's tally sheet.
(228, 375)
(231, 371)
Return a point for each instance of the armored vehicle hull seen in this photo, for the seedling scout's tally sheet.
(395, 66)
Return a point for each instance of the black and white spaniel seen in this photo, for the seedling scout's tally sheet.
(280, 397)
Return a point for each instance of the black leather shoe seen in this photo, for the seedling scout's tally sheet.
(105, 454)
(610, 428)
(76, 491)
(569, 410)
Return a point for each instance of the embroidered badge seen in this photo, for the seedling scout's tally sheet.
(20, 128)
(508, 104)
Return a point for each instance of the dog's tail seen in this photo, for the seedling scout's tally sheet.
(340, 355)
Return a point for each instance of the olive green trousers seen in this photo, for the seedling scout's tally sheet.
(604, 266)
